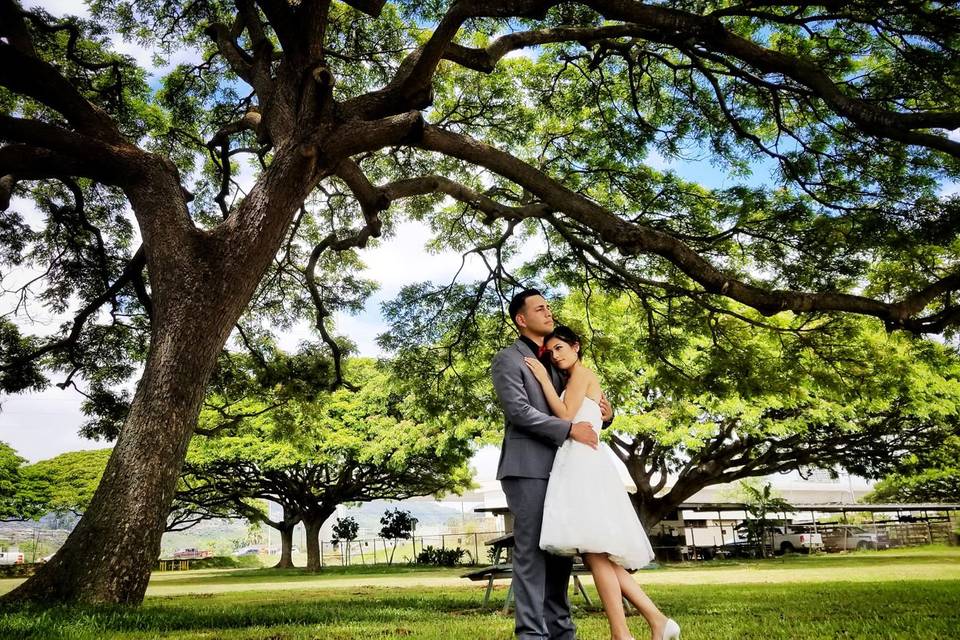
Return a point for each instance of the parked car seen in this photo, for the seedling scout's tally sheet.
(11, 556)
(844, 537)
(190, 554)
(246, 551)
(796, 538)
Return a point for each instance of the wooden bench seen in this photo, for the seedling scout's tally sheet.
(491, 573)
(505, 570)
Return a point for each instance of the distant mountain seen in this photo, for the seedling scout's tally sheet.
(430, 514)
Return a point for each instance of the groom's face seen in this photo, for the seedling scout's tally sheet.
(536, 316)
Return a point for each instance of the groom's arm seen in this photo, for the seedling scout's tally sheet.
(508, 384)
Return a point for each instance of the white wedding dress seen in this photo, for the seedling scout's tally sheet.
(587, 508)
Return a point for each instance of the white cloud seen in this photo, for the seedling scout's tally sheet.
(403, 259)
(44, 424)
(526, 52)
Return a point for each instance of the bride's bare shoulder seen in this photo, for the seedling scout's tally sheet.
(585, 373)
(592, 380)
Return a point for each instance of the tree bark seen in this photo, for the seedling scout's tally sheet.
(313, 521)
(110, 553)
(286, 546)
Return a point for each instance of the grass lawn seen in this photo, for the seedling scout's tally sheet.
(900, 594)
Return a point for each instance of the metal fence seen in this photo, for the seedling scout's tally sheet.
(384, 551)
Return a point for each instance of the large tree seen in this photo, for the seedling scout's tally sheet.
(310, 456)
(370, 104)
(706, 397)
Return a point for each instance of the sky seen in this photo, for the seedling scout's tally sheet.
(42, 425)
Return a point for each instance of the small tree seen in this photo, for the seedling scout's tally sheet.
(759, 502)
(345, 530)
(397, 525)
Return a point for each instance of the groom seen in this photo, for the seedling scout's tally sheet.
(530, 442)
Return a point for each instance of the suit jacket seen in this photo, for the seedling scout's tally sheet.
(531, 436)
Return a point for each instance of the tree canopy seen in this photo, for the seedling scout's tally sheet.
(19, 498)
(931, 475)
(311, 456)
(530, 126)
(69, 480)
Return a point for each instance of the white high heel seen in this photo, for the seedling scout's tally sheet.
(671, 631)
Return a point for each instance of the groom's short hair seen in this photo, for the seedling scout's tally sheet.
(518, 301)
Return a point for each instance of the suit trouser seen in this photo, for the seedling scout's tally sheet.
(540, 579)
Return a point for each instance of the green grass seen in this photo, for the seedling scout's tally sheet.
(710, 601)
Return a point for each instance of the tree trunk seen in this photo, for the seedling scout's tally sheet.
(314, 562)
(313, 521)
(286, 546)
(200, 283)
(110, 553)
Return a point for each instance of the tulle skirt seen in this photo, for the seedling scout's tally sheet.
(587, 509)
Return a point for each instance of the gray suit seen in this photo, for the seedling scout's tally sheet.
(530, 442)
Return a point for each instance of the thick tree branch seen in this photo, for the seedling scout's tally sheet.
(682, 29)
(25, 162)
(411, 87)
(671, 26)
(439, 184)
(632, 239)
(118, 161)
(485, 60)
(23, 73)
(355, 136)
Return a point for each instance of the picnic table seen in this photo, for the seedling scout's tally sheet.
(502, 566)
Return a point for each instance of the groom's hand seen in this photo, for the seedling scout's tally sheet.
(583, 432)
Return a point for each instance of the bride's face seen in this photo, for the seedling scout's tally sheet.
(562, 354)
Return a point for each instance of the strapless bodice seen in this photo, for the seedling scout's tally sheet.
(589, 412)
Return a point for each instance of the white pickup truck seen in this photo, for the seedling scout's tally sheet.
(11, 556)
(795, 539)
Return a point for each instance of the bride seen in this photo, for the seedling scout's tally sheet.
(586, 510)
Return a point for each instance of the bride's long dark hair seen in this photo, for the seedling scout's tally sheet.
(565, 334)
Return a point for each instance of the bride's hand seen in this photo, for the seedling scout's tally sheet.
(539, 371)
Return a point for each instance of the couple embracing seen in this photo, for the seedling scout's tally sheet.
(565, 495)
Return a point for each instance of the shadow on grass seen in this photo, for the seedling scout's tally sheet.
(905, 609)
(939, 555)
(297, 574)
(364, 606)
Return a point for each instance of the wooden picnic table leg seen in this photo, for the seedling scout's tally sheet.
(579, 587)
(506, 603)
(486, 596)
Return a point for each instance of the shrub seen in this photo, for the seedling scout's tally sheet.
(440, 557)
